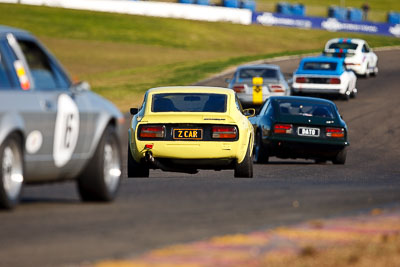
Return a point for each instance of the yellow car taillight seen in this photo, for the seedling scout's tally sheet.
(224, 132)
(152, 132)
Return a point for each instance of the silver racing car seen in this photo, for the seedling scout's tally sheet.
(50, 128)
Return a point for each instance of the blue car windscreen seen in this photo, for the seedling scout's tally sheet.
(322, 66)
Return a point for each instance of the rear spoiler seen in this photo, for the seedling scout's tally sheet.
(339, 51)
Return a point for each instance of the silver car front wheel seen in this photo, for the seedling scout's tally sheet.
(11, 172)
(101, 178)
(112, 166)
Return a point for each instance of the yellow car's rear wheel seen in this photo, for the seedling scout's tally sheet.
(136, 170)
(245, 168)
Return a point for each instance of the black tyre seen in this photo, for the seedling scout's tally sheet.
(320, 161)
(340, 157)
(245, 168)
(367, 72)
(346, 95)
(11, 172)
(375, 72)
(353, 94)
(101, 178)
(135, 169)
(260, 154)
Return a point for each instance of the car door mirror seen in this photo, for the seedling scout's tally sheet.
(249, 112)
(134, 111)
(80, 87)
(228, 80)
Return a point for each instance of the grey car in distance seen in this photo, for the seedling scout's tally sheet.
(51, 129)
(254, 84)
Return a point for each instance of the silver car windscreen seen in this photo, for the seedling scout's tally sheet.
(249, 73)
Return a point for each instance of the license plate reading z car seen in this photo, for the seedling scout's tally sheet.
(304, 131)
(188, 134)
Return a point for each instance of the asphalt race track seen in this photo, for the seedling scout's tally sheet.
(51, 227)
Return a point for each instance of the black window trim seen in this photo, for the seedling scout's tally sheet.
(54, 64)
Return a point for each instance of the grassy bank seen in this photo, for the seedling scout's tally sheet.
(122, 56)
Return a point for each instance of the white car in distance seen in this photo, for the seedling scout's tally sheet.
(359, 57)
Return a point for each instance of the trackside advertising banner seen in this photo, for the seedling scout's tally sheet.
(213, 13)
(329, 24)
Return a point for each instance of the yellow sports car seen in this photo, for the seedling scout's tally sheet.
(183, 129)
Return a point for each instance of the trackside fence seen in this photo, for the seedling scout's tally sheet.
(216, 13)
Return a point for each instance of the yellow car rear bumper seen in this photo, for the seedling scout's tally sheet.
(189, 149)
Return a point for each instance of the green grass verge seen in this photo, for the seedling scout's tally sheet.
(122, 56)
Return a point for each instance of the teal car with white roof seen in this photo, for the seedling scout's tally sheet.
(324, 76)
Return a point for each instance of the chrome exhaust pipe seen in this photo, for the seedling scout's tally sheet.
(148, 156)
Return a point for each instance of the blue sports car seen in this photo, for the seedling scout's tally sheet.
(324, 75)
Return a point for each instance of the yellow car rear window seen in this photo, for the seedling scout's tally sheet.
(189, 102)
